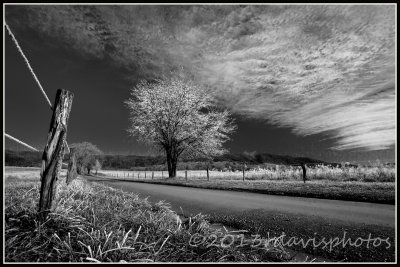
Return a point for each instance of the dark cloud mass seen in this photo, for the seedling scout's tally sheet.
(315, 69)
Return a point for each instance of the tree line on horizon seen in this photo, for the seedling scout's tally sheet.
(128, 162)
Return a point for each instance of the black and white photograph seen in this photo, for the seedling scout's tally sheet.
(199, 133)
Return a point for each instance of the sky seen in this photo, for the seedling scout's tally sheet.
(316, 81)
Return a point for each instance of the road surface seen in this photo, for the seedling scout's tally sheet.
(189, 200)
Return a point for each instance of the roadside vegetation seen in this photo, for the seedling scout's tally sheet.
(367, 190)
(353, 191)
(95, 223)
(361, 183)
(380, 173)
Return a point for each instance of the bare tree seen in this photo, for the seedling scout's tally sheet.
(178, 117)
(86, 155)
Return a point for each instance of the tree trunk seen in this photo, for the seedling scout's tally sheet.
(172, 161)
(172, 170)
(303, 166)
(54, 152)
(169, 166)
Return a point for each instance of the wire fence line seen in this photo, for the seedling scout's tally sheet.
(25, 144)
(40, 87)
(20, 142)
(28, 64)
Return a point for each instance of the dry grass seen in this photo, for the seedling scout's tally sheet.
(379, 173)
(95, 223)
(362, 183)
(24, 173)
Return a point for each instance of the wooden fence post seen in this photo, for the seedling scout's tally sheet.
(152, 175)
(208, 175)
(71, 173)
(54, 151)
(145, 175)
(186, 173)
(162, 174)
(244, 172)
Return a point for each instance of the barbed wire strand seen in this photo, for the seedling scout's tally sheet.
(24, 144)
(27, 63)
(37, 81)
(20, 142)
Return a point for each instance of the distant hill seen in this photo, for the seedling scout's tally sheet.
(22, 158)
(33, 159)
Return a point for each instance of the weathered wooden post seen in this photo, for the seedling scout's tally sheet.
(71, 173)
(138, 175)
(54, 151)
(208, 175)
(152, 175)
(145, 175)
(186, 173)
(303, 166)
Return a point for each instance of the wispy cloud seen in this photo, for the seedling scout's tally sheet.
(316, 69)
(312, 68)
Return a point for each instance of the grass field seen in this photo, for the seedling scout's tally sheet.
(378, 173)
(23, 173)
(95, 223)
(376, 192)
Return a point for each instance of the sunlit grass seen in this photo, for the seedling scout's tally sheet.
(95, 223)
(370, 184)
(380, 173)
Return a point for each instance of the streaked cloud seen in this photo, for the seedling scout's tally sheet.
(313, 68)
